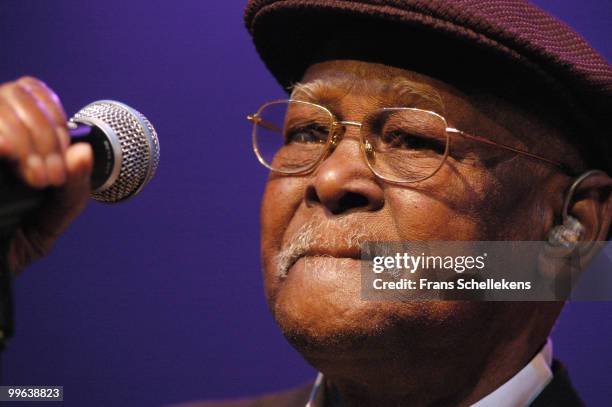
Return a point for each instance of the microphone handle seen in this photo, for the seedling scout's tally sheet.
(17, 199)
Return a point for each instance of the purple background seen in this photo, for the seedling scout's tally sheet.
(159, 300)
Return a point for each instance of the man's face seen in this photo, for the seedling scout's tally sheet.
(312, 224)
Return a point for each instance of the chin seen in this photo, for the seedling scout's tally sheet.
(321, 313)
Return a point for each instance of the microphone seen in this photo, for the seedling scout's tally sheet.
(125, 151)
(126, 155)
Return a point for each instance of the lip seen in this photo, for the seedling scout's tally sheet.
(337, 253)
(324, 268)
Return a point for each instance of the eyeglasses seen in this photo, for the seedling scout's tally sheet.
(399, 144)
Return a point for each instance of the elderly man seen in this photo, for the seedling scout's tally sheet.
(407, 121)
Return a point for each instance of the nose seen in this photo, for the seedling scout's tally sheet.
(344, 183)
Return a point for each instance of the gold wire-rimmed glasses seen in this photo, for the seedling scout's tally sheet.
(399, 144)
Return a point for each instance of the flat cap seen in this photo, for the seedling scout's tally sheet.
(488, 40)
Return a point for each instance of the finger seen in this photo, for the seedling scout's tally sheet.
(45, 140)
(7, 150)
(52, 103)
(16, 136)
(53, 144)
(35, 117)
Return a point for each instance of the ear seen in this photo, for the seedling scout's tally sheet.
(591, 205)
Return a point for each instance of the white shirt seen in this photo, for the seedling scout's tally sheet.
(519, 391)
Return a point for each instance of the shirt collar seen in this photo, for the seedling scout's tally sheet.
(519, 391)
(524, 386)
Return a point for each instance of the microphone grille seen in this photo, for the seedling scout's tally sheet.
(135, 146)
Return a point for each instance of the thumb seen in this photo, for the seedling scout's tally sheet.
(79, 164)
(70, 199)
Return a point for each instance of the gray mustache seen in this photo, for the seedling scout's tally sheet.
(343, 233)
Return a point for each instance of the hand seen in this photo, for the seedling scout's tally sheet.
(34, 137)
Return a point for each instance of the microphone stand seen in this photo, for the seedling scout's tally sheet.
(6, 292)
(16, 200)
(7, 311)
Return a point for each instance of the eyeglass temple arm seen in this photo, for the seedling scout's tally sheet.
(516, 150)
(265, 124)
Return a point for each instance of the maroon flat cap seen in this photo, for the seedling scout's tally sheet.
(498, 43)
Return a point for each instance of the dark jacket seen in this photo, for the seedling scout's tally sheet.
(558, 393)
